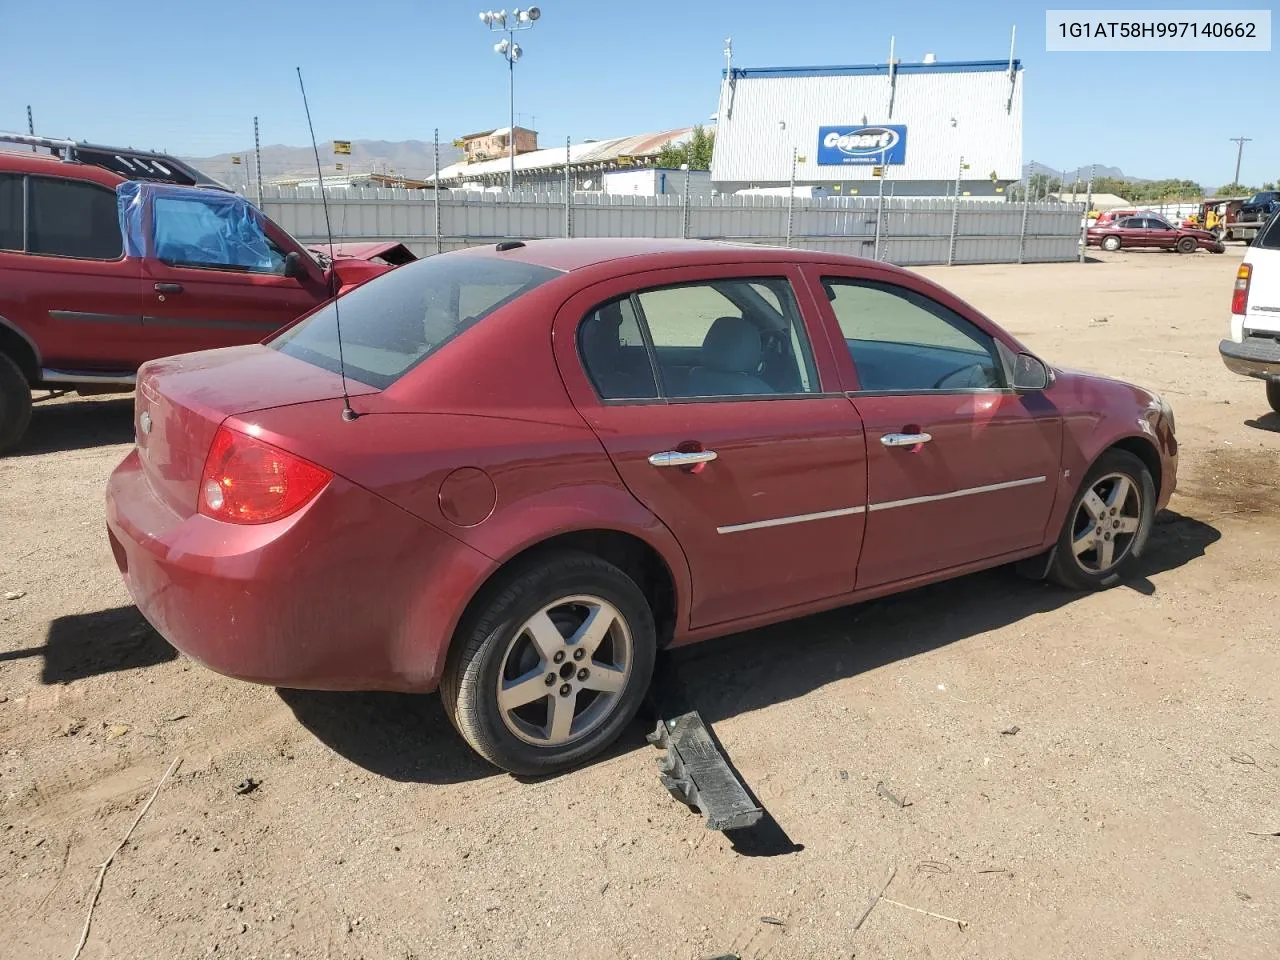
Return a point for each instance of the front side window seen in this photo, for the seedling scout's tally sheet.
(216, 232)
(395, 321)
(69, 218)
(903, 342)
(12, 208)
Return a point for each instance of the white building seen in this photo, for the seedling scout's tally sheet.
(656, 182)
(915, 123)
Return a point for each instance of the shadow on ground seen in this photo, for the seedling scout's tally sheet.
(91, 644)
(1268, 421)
(409, 738)
(59, 424)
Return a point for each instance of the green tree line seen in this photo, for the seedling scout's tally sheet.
(1041, 185)
(696, 151)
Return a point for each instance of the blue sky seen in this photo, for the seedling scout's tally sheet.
(191, 80)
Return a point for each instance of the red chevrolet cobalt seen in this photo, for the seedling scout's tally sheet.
(568, 454)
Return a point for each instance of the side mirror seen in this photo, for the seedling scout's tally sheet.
(293, 264)
(1029, 373)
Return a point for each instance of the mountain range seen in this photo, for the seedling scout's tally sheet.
(1081, 173)
(411, 158)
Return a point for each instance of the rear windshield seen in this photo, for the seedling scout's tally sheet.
(394, 322)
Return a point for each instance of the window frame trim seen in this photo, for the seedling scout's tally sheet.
(26, 221)
(646, 337)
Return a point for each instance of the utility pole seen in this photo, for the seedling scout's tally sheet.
(1239, 142)
(257, 160)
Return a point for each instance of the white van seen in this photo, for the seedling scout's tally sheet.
(1254, 347)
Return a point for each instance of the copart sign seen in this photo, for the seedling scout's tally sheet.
(871, 145)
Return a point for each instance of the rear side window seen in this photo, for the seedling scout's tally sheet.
(68, 218)
(11, 209)
(392, 323)
(1269, 236)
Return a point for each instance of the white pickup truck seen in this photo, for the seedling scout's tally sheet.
(1254, 347)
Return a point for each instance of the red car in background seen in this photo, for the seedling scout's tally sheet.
(1151, 231)
(111, 257)
(560, 456)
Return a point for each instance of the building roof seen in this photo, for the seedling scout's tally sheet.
(593, 153)
(1101, 201)
(971, 108)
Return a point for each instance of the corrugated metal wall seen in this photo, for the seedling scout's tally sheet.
(911, 232)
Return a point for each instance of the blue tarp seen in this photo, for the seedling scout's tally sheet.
(195, 227)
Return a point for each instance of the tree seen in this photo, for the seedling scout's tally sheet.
(1234, 190)
(1041, 184)
(696, 151)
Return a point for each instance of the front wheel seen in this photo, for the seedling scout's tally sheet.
(552, 666)
(1187, 245)
(1108, 524)
(1111, 243)
(1273, 394)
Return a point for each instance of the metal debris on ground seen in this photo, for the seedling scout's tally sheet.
(891, 797)
(1010, 731)
(15, 594)
(874, 900)
(1262, 833)
(247, 785)
(774, 921)
(697, 774)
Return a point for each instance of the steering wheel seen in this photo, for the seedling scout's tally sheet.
(973, 373)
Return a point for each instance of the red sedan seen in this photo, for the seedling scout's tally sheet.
(564, 455)
(1151, 231)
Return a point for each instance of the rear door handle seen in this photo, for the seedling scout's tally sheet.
(905, 439)
(168, 288)
(681, 458)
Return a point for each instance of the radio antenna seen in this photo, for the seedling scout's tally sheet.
(347, 413)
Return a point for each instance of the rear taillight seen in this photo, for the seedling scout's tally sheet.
(247, 480)
(1240, 295)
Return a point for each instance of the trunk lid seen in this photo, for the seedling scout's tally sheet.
(182, 400)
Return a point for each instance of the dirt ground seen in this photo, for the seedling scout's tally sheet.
(1116, 822)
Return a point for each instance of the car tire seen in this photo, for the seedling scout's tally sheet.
(1273, 394)
(15, 403)
(1125, 524)
(1187, 245)
(1111, 243)
(505, 646)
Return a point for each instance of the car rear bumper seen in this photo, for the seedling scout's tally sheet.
(1255, 357)
(349, 593)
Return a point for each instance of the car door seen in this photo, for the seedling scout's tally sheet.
(1132, 232)
(960, 468)
(66, 282)
(214, 277)
(706, 388)
(1160, 233)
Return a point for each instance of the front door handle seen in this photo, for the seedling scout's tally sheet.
(681, 458)
(168, 288)
(905, 439)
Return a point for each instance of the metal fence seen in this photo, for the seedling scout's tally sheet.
(903, 231)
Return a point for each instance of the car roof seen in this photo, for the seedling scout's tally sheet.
(579, 253)
(14, 161)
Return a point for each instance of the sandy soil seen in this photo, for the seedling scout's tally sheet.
(1114, 823)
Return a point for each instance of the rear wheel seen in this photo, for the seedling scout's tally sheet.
(1273, 394)
(1108, 524)
(1111, 243)
(1187, 245)
(552, 666)
(15, 403)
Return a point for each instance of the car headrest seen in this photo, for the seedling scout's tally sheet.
(599, 337)
(732, 345)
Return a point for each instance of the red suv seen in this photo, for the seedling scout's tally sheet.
(110, 258)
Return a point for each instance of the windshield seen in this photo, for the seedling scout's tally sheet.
(394, 322)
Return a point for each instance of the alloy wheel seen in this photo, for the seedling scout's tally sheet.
(564, 671)
(1106, 523)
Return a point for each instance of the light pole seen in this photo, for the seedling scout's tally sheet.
(509, 23)
(1239, 142)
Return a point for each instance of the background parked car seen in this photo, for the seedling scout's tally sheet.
(563, 455)
(108, 260)
(1153, 232)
